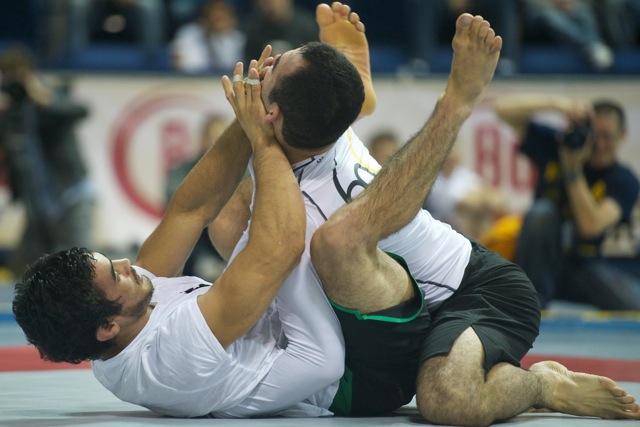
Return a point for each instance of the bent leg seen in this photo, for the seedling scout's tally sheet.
(470, 374)
(396, 194)
(455, 389)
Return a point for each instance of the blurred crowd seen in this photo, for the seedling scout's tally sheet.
(197, 36)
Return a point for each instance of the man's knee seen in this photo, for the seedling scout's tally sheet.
(330, 242)
(450, 387)
(446, 397)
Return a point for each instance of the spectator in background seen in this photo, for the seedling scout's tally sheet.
(461, 198)
(570, 23)
(138, 22)
(204, 262)
(46, 169)
(620, 22)
(279, 23)
(431, 23)
(382, 145)
(212, 42)
(581, 193)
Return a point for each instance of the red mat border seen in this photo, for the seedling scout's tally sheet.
(26, 358)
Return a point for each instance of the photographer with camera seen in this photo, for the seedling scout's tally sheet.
(45, 167)
(581, 193)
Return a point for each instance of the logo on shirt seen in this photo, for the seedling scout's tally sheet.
(201, 285)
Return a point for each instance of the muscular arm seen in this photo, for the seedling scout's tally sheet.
(196, 203)
(591, 217)
(516, 110)
(277, 235)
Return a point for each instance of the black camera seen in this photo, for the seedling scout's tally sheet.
(577, 136)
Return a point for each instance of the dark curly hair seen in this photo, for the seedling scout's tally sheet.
(59, 308)
(320, 100)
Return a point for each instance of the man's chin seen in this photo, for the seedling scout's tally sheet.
(147, 284)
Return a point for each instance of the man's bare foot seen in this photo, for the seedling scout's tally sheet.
(581, 394)
(476, 50)
(342, 29)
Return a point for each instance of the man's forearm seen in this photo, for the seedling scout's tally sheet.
(196, 203)
(215, 177)
(399, 190)
(591, 220)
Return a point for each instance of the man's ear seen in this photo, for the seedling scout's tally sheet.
(108, 331)
(273, 114)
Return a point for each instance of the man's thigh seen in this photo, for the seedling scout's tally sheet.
(382, 356)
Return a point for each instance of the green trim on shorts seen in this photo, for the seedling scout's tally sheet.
(341, 405)
(380, 318)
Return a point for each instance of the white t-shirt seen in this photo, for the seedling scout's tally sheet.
(177, 367)
(435, 253)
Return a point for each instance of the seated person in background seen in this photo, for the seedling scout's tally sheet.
(620, 22)
(47, 172)
(461, 198)
(279, 23)
(582, 191)
(382, 146)
(212, 42)
(570, 23)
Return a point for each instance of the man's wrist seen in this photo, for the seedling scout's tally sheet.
(571, 176)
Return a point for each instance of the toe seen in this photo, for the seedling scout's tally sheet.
(324, 15)
(483, 31)
(464, 21)
(345, 11)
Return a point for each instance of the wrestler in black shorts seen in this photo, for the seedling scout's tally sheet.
(384, 349)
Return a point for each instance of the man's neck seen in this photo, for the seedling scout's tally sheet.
(296, 155)
(127, 334)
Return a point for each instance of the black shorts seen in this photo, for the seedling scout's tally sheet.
(382, 356)
(495, 298)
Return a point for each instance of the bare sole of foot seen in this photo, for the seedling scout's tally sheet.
(589, 395)
(342, 29)
(476, 50)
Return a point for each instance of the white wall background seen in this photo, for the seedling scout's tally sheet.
(139, 126)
